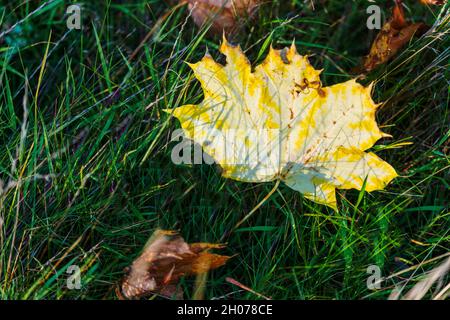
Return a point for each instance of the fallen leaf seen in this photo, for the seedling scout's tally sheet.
(393, 36)
(277, 123)
(434, 2)
(224, 15)
(167, 257)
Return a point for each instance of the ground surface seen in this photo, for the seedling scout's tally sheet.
(87, 175)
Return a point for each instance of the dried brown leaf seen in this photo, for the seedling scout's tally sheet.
(164, 260)
(434, 2)
(393, 36)
(224, 15)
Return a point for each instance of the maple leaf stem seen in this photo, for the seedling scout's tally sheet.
(275, 187)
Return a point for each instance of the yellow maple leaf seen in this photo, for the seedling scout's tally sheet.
(277, 122)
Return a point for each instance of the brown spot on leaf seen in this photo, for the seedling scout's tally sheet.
(321, 93)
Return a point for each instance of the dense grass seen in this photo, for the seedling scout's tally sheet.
(90, 173)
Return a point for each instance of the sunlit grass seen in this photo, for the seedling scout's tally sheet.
(91, 174)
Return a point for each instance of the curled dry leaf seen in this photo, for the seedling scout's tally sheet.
(434, 2)
(167, 257)
(277, 123)
(224, 15)
(393, 36)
